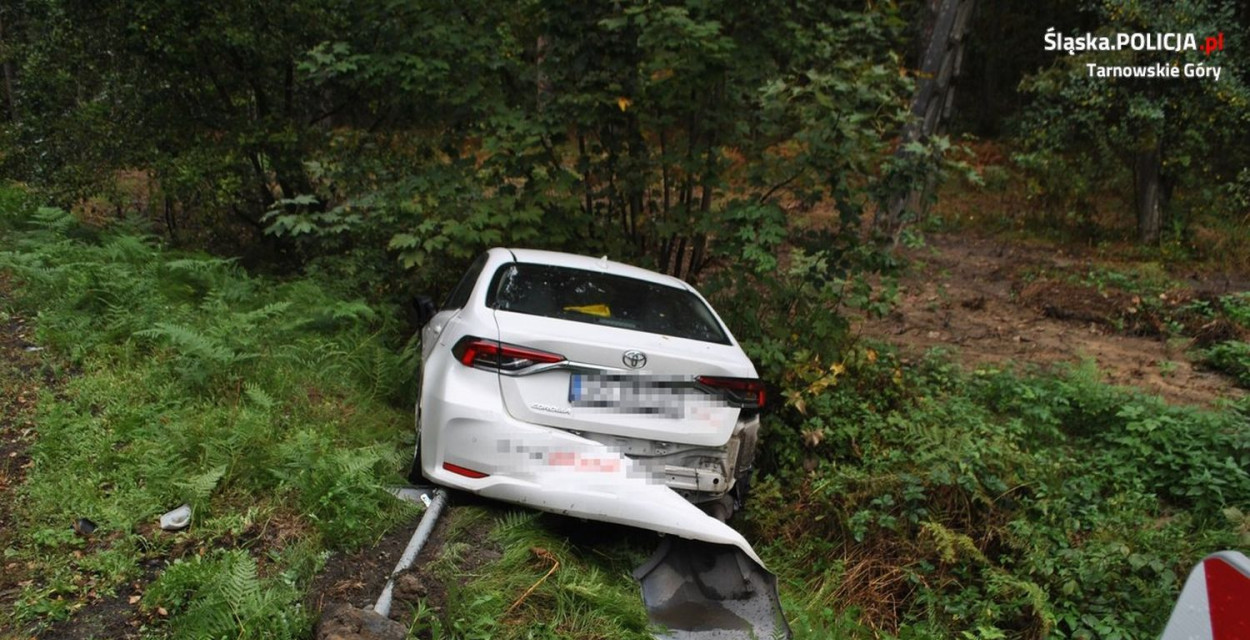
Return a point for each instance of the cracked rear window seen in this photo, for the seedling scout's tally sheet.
(604, 299)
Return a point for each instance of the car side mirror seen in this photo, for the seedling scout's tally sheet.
(423, 309)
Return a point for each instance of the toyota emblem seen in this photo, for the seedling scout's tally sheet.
(634, 359)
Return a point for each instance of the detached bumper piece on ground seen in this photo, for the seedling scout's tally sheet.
(702, 591)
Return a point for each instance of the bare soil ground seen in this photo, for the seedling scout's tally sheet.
(972, 296)
(357, 579)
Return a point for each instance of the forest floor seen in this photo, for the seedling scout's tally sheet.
(995, 302)
(19, 384)
(988, 301)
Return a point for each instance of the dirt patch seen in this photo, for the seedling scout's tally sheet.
(113, 616)
(970, 295)
(357, 579)
(345, 622)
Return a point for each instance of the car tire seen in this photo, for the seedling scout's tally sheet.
(741, 490)
(415, 475)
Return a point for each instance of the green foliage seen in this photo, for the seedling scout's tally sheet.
(1231, 357)
(402, 138)
(222, 596)
(1082, 134)
(248, 398)
(589, 594)
(932, 503)
(785, 277)
(15, 205)
(1236, 308)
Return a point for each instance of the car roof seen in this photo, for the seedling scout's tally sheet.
(601, 265)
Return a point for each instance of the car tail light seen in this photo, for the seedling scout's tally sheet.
(743, 392)
(492, 354)
(468, 473)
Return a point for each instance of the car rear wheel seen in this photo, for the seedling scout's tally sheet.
(415, 476)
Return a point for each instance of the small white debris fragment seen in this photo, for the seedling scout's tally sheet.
(177, 519)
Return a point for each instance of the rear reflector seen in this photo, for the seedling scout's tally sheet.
(492, 354)
(744, 392)
(468, 473)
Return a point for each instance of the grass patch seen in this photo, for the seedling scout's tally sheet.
(535, 575)
(276, 410)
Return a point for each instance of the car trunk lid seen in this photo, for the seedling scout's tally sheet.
(595, 388)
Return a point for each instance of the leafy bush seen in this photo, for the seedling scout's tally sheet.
(935, 503)
(1231, 357)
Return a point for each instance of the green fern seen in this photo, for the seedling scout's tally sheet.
(266, 312)
(223, 596)
(258, 395)
(198, 265)
(53, 219)
(192, 342)
(229, 396)
(201, 486)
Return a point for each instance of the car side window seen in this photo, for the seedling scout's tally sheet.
(460, 295)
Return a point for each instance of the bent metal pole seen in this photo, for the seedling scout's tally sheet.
(383, 605)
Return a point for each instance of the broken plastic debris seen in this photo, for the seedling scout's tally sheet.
(413, 494)
(34, 349)
(177, 519)
(84, 526)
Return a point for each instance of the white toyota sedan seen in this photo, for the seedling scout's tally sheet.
(576, 385)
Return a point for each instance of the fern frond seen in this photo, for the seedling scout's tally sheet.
(259, 315)
(201, 486)
(258, 395)
(53, 219)
(199, 265)
(190, 341)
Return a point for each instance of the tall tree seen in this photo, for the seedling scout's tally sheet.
(945, 23)
(6, 69)
(1149, 135)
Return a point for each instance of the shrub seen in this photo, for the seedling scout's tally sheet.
(937, 503)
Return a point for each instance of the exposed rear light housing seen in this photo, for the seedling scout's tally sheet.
(742, 392)
(484, 353)
(459, 470)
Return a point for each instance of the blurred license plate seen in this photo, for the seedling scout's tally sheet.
(635, 394)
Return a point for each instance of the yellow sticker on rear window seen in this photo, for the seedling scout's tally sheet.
(600, 310)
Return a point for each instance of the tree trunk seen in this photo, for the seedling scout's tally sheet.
(541, 81)
(940, 65)
(10, 101)
(1148, 196)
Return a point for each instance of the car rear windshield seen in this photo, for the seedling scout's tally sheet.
(604, 299)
